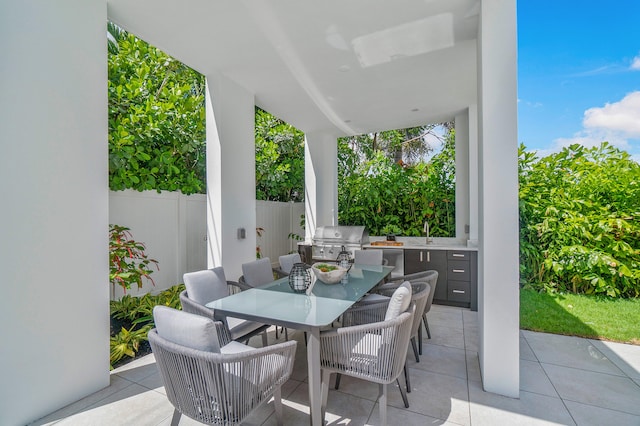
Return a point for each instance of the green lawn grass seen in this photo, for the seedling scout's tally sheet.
(616, 320)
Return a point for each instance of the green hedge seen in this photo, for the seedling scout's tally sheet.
(580, 221)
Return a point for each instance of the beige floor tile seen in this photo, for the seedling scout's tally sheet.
(570, 351)
(534, 379)
(117, 385)
(588, 415)
(525, 350)
(473, 366)
(471, 339)
(446, 336)
(593, 388)
(531, 409)
(396, 416)
(440, 359)
(436, 395)
(445, 316)
(625, 357)
(342, 408)
(134, 405)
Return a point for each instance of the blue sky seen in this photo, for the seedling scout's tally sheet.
(579, 74)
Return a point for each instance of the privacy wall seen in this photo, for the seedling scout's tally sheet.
(173, 228)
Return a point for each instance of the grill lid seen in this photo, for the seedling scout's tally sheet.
(357, 235)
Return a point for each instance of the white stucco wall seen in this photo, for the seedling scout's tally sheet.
(54, 307)
(231, 175)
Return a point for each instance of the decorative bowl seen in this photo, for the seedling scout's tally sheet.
(333, 275)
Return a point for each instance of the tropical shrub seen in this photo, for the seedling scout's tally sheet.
(128, 262)
(580, 221)
(156, 120)
(132, 318)
(279, 159)
(389, 196)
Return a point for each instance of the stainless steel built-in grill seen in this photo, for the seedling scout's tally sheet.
(328, 241)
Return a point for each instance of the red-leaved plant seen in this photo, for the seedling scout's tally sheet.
(128, 261)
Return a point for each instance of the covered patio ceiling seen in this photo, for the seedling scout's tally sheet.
(343, 67)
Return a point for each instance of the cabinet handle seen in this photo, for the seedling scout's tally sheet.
(458, 270)
(428, 256)
(457, 255)
(421, 258)
(459, 291)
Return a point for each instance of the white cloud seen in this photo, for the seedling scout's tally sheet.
(635, 64)
(617, 123)
(622, 116)
(593, 137)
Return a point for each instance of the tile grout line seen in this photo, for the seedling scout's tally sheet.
(564, 404)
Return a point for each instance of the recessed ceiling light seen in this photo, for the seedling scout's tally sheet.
(344, 68)
(347, 121)
(415, 110)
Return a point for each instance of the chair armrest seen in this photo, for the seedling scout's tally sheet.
(279, 273)
(243, 284)
(235, 287)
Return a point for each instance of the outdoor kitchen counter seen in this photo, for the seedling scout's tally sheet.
(454, 259)
(419, 243)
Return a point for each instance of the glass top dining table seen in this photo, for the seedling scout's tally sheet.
(276, 303)
(280, 305)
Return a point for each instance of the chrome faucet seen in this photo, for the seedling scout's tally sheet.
(425, 229)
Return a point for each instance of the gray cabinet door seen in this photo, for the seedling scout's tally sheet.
(414, 261)
(423, 260)
(438, 261)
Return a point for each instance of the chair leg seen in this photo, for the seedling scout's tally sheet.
(265, 343)
(286, 333)
(406, 378)
(277, 403)
(338, 377)
(426, 325)
(403, 394)
(382, 401)
(175, 420)
(420, 340)
(415, 348)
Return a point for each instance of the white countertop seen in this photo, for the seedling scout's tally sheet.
(419, 243)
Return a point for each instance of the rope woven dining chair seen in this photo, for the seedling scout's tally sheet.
(287, 261)
(212, 382)
(208, 285)
(429, 276)
(257, 273)
(375, 352)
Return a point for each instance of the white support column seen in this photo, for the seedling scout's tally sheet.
(54, 188)
(320, 181)
(498, 291)
(231, 187)
(462, 174)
